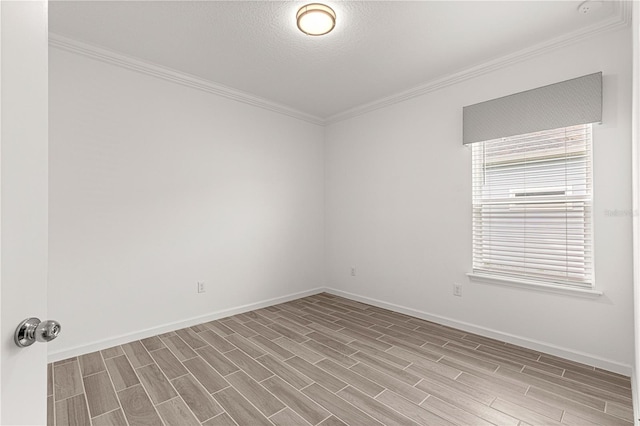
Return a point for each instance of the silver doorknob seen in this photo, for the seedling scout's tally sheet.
(32, 330)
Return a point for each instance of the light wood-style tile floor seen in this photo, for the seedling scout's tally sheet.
(325, 360)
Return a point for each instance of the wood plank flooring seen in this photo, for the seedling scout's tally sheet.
(326, 360)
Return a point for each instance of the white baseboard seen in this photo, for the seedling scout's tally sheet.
(536, 345)
(142, 334)
(472, 328)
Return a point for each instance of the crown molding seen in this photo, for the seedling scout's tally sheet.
(620, 20)
(174, 76)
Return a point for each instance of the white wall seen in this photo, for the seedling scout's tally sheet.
(398, 200)
(155, 186)
(23, 242)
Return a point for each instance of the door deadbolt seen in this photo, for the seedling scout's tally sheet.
(32, 330)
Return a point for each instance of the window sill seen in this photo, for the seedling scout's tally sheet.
(533, 285)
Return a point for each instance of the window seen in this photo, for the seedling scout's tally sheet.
(532, 207)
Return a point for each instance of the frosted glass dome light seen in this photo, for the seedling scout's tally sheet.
(316, 19)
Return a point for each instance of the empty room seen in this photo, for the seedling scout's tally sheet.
(337, 213)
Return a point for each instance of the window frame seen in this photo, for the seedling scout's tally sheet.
(514, 279)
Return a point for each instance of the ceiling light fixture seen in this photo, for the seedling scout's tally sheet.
(316, 19)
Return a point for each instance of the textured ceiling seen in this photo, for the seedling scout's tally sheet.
(377, 49)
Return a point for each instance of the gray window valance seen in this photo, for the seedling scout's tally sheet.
(564, 104)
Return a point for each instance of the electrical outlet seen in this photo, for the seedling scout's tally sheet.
(457, 289)
(201, 288)
(353, 271)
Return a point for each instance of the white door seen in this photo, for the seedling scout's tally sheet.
(23, 206)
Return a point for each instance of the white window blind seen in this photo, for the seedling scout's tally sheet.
(532, 207)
